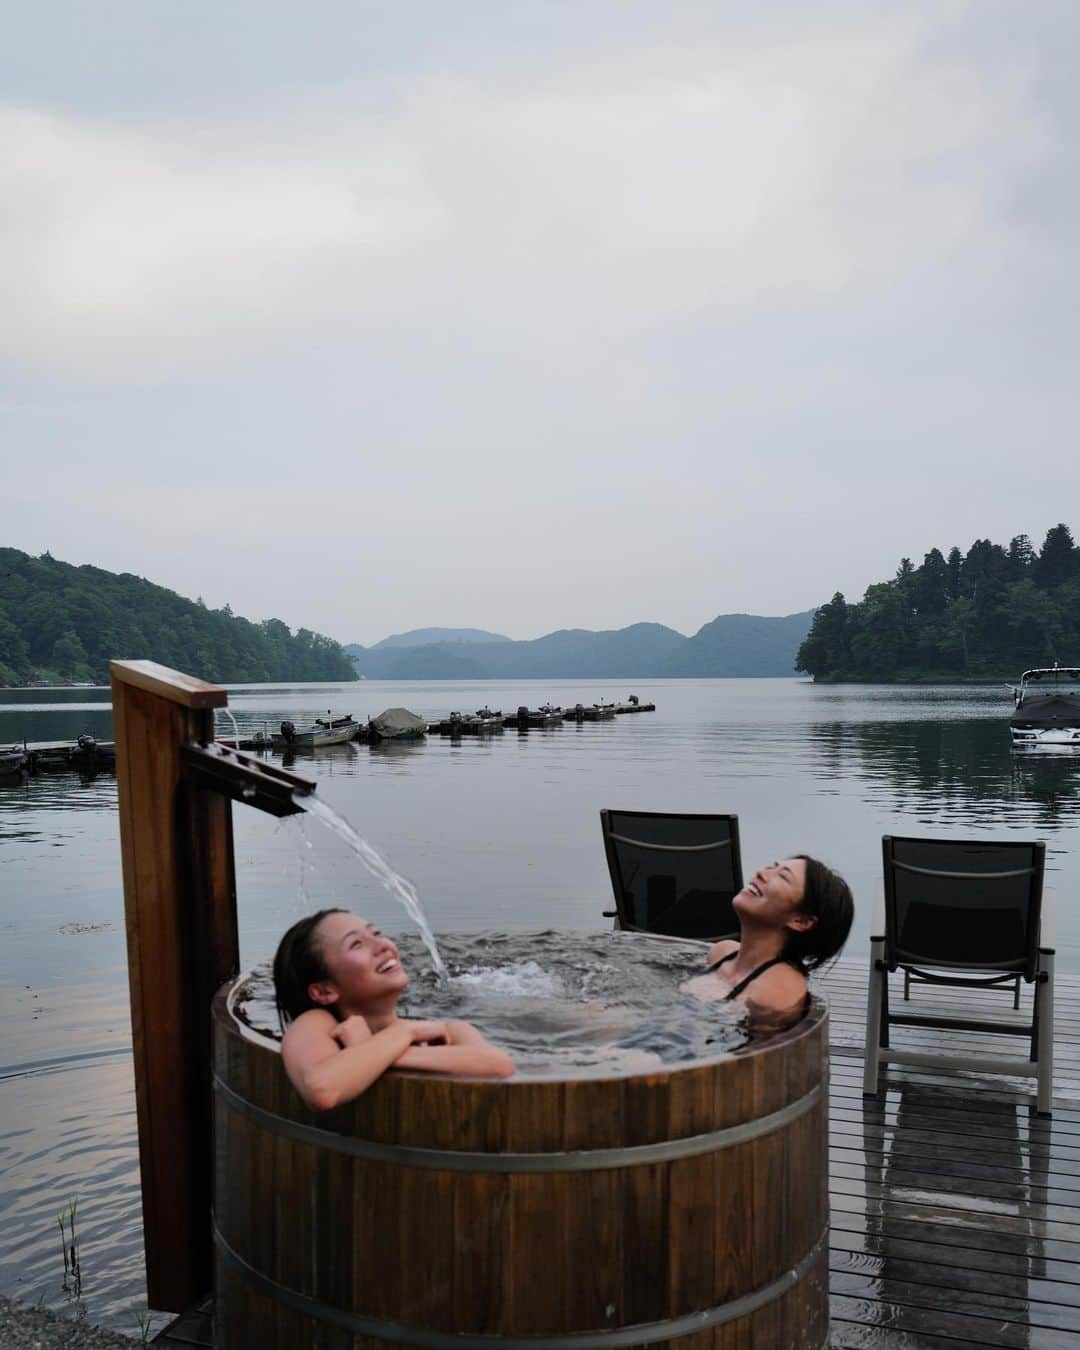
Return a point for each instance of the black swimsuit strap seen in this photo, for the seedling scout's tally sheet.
(765, 965)
(716, 964)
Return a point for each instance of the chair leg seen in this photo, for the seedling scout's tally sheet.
(907, 985)
(1044, 994)
(1016, 994)
(874, 1010)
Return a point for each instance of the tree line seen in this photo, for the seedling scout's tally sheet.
(993, 611)
(65, 623)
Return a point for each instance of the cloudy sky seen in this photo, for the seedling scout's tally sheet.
(372, 316)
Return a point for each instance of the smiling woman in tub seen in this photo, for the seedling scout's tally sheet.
(793, 916)
(337, 982)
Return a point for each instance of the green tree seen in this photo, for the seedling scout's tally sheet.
(826, 649)
(1056, 563)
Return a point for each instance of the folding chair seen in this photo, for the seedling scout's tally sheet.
(963, 914)
(673, 874)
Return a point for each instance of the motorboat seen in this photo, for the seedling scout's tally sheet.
(1047, 707)
(326, 731)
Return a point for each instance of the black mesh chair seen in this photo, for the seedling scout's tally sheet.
(673, 874)
(963, 914)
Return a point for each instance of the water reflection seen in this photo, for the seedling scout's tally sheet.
(960, 772)
(980, 1215)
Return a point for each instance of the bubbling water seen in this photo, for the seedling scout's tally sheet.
(563, 1004)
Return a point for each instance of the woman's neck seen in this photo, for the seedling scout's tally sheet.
(377, 1014)
(758, 945)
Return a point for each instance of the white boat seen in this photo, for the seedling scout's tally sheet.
(1047, 708)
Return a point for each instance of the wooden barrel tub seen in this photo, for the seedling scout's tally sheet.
(685, 1207)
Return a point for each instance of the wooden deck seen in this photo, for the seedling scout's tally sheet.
(955, 1210)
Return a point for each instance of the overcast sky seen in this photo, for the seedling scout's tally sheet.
(535, 315)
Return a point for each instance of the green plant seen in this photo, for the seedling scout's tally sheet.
(69, 1246)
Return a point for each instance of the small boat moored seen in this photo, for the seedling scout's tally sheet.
(397, 724)
(326, 731)
(1047, 708)
(12, 762)
(634, 705)
(544, 716)
(480, 723)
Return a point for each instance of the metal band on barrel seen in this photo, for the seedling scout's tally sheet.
(642, 1333)
(459, 1160)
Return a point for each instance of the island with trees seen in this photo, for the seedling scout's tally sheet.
(63, 624)
(986, 614)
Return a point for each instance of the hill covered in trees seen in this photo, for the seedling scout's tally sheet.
(993, 611)
(732, 644)
(61, 622)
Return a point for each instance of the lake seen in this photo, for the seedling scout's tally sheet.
(499, 832)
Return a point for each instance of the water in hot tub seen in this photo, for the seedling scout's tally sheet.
(563, 1004)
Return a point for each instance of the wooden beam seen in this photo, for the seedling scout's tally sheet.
(180, 914)
(184, 690)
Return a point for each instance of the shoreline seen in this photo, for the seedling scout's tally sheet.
(22, 1326)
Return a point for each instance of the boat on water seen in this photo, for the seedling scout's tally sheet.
(634, 705)
(592, 712)
(479, 723)
(1047, 707)
(12, 762)
(544, 716)
(326, 731)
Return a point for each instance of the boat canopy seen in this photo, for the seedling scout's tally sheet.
(1054, 710)
(1068, 674)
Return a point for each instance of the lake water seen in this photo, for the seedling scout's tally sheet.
(500, 832)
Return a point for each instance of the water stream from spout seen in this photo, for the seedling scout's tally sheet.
(232, 719)
(403, 891)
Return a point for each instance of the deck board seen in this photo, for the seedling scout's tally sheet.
(955, 1210)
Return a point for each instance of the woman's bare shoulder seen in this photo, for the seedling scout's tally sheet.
(313, 1025)
(725, 947)
(781, 986)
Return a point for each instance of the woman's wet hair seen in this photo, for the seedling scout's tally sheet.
(827, 897)
(298, 963)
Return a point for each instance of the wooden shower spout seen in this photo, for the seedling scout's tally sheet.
(243, 778)
(175, 788)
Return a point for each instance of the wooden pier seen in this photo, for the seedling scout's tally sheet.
(955, 1210)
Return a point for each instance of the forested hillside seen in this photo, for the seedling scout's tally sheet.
(61, 622)
(993, 611)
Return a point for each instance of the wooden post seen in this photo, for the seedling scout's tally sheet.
(180, 911)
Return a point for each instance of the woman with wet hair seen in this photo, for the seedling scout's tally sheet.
(337, 980)
(793, 916)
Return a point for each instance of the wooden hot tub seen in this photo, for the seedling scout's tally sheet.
(686, 1207)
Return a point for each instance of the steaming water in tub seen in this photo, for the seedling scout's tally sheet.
(563, 1004)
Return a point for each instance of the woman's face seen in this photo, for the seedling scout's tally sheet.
(361, 964)
(772, 896)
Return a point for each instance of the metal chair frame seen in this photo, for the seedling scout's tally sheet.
(1036, 967)
(611, 838)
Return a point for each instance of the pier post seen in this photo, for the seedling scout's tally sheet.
(180, 915)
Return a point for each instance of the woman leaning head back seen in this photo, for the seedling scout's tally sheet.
(826, 899)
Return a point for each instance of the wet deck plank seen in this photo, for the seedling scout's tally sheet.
(955, 1210)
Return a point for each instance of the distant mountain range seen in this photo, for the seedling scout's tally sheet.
(434, 637)
(731, 645)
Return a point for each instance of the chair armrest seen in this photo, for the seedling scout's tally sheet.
(1047, 921)
(877, 926)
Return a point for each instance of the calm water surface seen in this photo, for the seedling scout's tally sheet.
(497, 832)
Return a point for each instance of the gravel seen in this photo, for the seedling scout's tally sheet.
(23, 1328)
